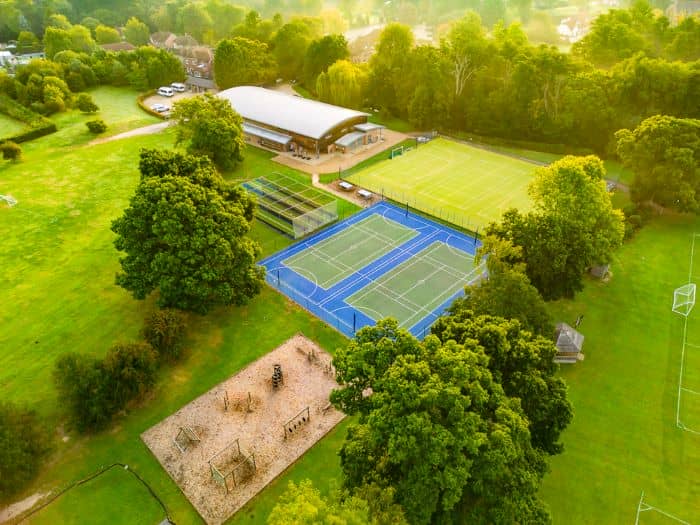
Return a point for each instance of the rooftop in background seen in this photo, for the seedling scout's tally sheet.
(299, 115)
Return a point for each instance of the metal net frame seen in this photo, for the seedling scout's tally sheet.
(684, 299)
(292, 206)
(184, 438)
(230, 467)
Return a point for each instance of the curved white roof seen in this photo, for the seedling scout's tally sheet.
(299, 115)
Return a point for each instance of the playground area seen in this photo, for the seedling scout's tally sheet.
(225, 446)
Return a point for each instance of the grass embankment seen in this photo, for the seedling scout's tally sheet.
(58, 266)
(9, 126)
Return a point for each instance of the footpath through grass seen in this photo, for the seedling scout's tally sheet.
(624, 438)
(464, 185)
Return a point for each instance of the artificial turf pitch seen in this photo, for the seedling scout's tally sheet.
(467, 186)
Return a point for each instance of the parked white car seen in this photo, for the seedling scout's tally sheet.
(178, 86)
(166, 91)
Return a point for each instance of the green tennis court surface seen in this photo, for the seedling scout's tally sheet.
(418, 286)
(332, 260)
(461, 184)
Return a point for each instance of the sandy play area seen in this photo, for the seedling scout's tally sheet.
(256, 417)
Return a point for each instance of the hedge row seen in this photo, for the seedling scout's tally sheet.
(38, 124)
(559, 149)
(144, 107)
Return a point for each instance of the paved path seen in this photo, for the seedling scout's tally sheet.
(146, 130)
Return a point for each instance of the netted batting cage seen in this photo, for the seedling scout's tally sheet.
(291, 206)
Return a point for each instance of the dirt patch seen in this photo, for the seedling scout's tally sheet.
(247, 408)
(14, 510)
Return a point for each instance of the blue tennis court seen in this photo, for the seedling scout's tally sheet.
(381, 262)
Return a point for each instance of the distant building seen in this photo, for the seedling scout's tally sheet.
(569, 344)
(163, 40)
(682, 8)
(291, 123)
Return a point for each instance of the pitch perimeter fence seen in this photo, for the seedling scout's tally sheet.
(335, 303)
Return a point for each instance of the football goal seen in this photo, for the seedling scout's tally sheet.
(11, 201)
(684, 299)
(230, 467)
(395, 152)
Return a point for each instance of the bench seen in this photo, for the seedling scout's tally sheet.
(367, 195)
(346, 186)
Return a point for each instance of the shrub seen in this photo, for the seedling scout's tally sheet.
(23, 444)
(86, 104)
(94, 390)
(84, 388)
(165, 331)
(96, 126)
(11, 151)
(131, 370)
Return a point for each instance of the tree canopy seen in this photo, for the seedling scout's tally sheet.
(664, 154)
(572, 227)
(211, 127)
(436, 426)
(184, 235)
(522, 363)
(240, 61)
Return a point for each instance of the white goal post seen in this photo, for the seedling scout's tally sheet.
(11, 201)
(395, 152)
(684, 299)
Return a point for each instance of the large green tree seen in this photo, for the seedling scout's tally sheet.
(322, 54)
(289, 48)
(664, 154)
(523, 364)
(507, 292)
(240, 61)
(107, 35)
(184, 235)
(211, 127)
(390, 66)
(303, 504)
(136, 32)
(344, 84)
(571, 228)
(436, 426)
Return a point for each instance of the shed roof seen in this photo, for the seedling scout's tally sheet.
(369, 126)
(279, 138)
(302, 116)
(568, 339)
(350, 138)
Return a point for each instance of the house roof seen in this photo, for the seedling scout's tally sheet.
(302, 116)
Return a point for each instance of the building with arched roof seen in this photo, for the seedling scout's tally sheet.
(291, 123)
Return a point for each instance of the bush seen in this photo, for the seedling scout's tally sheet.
(86, 104)
(94, 390)
(38, 125)
(96, 126)
(84, 389)
(165, 331)
(23, 444)
(11, 151)
(131, 370)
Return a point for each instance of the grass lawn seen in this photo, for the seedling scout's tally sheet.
(624, 437)
(58, 266)
(9, 126)
(467, 186)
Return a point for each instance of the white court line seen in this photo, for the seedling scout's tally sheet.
(679, 423)
(645, 507)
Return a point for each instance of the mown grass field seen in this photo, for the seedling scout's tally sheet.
(9, 126)
(624, 437)
(58, 265)
(464, 185)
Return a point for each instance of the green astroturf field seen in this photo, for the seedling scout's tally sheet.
(464, 185)
(416, 287)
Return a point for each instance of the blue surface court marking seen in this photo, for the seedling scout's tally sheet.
(330, 304)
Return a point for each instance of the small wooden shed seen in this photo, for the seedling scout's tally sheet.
(569, 344)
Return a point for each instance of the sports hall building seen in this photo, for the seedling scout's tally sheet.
(290, 123)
